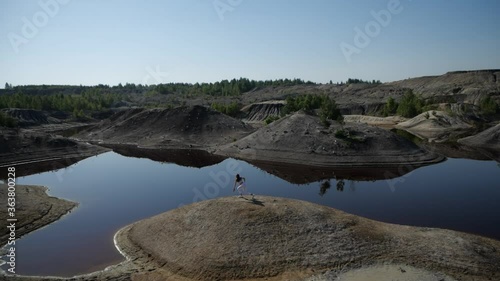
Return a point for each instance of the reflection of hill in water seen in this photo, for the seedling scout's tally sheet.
(42, 166)
(302, 174)
(293, 173)
(183, 157)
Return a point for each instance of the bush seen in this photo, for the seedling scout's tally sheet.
(390, 107)
(305, 102)
(341, 134)
(410, 105)
(330, 111)
(271, 118)
(7, 121)
(231, 109)
(488, 106)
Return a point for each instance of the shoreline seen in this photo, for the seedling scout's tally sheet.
(141, 264)
(57, 209)
(414, 254)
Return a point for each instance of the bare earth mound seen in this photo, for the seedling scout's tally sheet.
(434, 125)
(235, 238)
(383, 122)
(489, 139)
(33, 152)
(30, 117)
(302, 139)
(34, 209)
(178, 127)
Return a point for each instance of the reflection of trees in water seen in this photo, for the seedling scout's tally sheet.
(340, 185)
(325, 186)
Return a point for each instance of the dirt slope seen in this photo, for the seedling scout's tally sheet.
(301, 138)
(467, 87)
(260, 111)
(235, 238)
(30, 117)
(489, 139)
(435, 125)
(34, 209)
(464, 86)
(32, 151)
(382, 122)
(178, 127)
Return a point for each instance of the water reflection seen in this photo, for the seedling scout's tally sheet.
(293, 173)
(114, 191)
(340, 185)
(42, 166)
(324, 187)
(302, 174)
(183, 157)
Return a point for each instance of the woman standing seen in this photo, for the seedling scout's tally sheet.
(242, 188)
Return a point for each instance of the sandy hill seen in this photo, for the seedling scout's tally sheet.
(464, 86)
(178, 127)
(366, 99)
(435, 125)
(301, 138)
(33, 152)
(30, 117)
(260, 111)
(489, 139)
(282, 239)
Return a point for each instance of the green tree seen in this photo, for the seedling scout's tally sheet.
(7, 121)
(488, 106)
(329, 111)
(410, 105)
(390, 107)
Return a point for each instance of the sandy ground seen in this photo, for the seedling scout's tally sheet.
(236, 238)
(32, 152)
(34, 209)
(302, 139)
(435, 126)
(489, 138)
(382, 122)
(182, 127)
(277, 239)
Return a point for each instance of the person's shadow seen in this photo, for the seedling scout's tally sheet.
(255, 201)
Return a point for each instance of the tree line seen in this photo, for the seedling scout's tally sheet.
(89, 100)
(412, 105)
(328, 109)
(232, 87)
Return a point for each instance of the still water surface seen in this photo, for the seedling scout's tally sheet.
(114, 190)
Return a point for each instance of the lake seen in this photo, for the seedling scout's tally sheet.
(114, 190)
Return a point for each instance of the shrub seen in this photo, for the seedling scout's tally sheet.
(7, 121)
(330, 111)
(231, 109)
(488, 106)
(390, 107)
(341, 134)
(410, 105)
(271, 118)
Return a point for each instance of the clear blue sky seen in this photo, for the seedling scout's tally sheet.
(94, 41)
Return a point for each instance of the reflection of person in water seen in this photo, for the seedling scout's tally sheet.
(242, 187)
